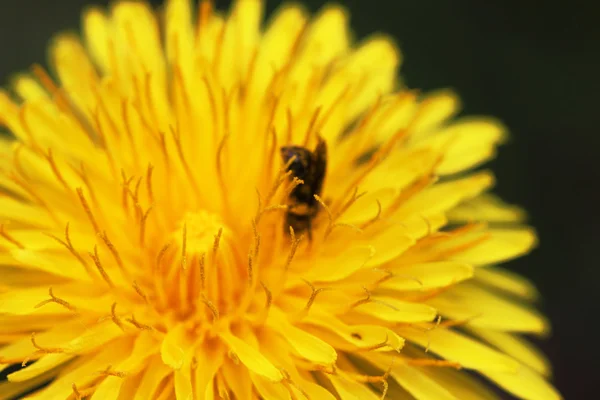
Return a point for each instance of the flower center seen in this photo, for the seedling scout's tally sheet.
(201, 273)
(198, 232)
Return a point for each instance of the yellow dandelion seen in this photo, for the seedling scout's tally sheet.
(195, 206)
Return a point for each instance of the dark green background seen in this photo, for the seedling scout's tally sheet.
(533, 64)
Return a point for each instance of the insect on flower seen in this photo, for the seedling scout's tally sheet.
(310, 167)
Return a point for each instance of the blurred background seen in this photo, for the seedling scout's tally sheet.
(532, 64)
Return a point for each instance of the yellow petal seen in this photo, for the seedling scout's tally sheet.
(354, 336)
(34, 239)
(86, 371)
(485, 309)
(427, 276)
(377, 78)
(349, 389)
(16, 277)
(252, 358)
(315, 391)
(209, 360)
(171, 349)
(276, 349)
(535, 387)
(9, 117)
(237, 379)
(488, 208)
(461, 385)
(302, 343)
(247, 15)
(144, 347)
(183, 386)
(109, 389)
(276, 45)
(325, 42)
(17, 211)
(7, 143)
(326, 38)
(401, 168)
(516, 347)
(152, 378)
(49, 126)
(30, 322)
(54, 337)
(12, 390)
(388, 245)
(167, 392)
(11, 337)
(419, 226)
(137, 36)
(9, 187)
(395, 238)
(136, 25)
(434, 110)
(500, 245)
(507, 281)
(333, 301)
(129, 387)
(395, 391)
(44, 364)
(28, 88)
(469, 143)
(418, 384)
(394, 241)
(392, 310)
(269, 390)
(393, 115)
(237, 41)
(179, 33)
(96, 28)
(51, 263)
(339, 266)
(458, 348)
(366, 208)
(444, 196)
(94, 337)
(23, 302)
(75, 70)
(80, 296)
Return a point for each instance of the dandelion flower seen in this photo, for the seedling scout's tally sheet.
(150, 247)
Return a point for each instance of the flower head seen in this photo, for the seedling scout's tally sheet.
(210, 209)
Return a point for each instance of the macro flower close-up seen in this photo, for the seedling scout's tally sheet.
(199, 204)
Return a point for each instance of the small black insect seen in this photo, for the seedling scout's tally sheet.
(310, 167)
